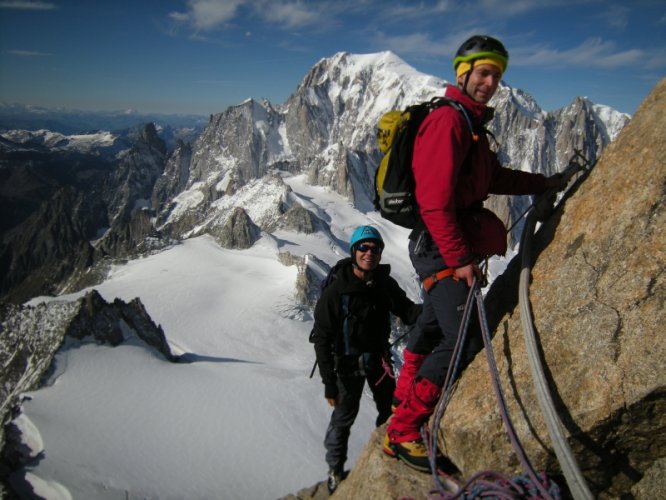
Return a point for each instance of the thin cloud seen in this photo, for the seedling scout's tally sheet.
(422, 45)
(413, 44)
(290, 14)
(207, 15)
(469, 11)
(28, 53)
(616, 17)
(25, 5)
(401, 12)
(511, 8)
(592, 53)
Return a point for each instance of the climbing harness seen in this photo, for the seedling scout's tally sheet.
(429, 281)
(489, 483)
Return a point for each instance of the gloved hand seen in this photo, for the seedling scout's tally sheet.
(331, 393)
(544, 206)
(557, 182)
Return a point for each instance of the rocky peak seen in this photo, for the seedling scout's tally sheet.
(244, 133)
(327, 129)
(151, 138)
(238, 232)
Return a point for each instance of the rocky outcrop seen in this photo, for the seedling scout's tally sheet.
(597, 296)
(31, 335)
(300, 219)
(238, 232)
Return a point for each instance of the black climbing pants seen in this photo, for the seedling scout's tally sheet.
(436, 330)
(350, 391)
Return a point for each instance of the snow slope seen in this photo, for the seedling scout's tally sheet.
(240, 418)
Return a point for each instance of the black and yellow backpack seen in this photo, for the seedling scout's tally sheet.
(394, 180)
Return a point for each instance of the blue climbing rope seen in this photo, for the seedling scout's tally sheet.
(486, 484)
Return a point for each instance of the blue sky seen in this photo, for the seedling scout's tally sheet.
(200, 56)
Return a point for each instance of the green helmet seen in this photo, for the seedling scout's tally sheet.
(481, 47)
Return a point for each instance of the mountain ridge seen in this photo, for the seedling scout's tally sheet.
(326, 129)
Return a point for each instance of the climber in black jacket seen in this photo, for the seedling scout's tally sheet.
(351, 340)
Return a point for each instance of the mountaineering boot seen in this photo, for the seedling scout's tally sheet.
(333, 481)
(413, 453)
(387, 447)
(404, 430)
(411, 363)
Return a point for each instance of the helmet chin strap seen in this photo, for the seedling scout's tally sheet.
(466, 81)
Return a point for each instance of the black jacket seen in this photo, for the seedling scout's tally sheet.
(369, 321)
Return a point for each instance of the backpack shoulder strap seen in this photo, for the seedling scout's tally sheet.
(463, 111)
(346, 328)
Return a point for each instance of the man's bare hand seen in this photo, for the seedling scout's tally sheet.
(468, 273)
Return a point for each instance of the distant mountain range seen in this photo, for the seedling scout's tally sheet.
(71, 200)
(68, 121)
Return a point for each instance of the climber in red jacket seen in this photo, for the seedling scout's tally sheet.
(454, 170)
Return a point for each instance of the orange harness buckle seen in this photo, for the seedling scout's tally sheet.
(429, 281)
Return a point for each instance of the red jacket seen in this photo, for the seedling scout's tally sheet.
(443, 192)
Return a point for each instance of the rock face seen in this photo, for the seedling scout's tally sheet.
(77, 209)
(597, 296)
(239, 231)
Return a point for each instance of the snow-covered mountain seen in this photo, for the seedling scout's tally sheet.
(327, 130)
(262, 202)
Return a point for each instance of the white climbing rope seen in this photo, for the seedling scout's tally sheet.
(572, 473)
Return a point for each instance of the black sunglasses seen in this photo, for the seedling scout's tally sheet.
(372, 248)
